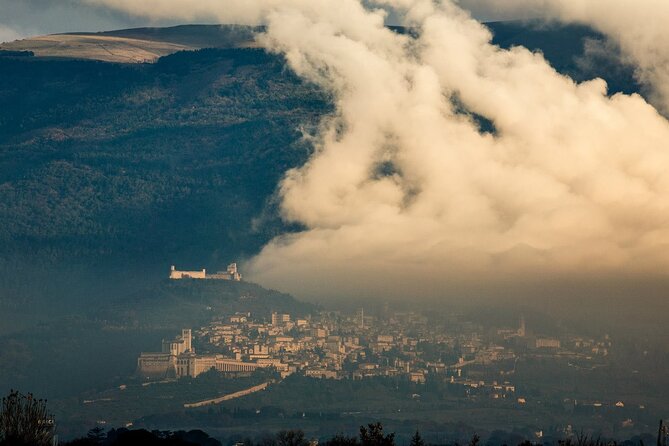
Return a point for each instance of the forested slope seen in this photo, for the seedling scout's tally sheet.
(112, 170)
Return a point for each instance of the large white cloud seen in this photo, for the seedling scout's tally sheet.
(639, 28)
(404, 187)
(9, 34)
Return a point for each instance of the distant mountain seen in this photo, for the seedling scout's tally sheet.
(138, 45)
(195, 36)
(96, 47)
(574, 50)
(110, 172)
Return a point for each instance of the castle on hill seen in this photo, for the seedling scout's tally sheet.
(231, 273)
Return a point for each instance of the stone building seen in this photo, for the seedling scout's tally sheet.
(231, 273)
(177, 359)
(176, 274)
(163, 364)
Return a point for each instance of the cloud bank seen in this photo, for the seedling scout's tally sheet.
(405, 187)
(639, 28)
(8, 34)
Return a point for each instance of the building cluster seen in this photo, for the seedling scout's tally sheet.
(336, 345)
(177, 359)
(231, 273)
(568, 346)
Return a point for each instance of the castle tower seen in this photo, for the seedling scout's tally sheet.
(234, 272)
(187, 337)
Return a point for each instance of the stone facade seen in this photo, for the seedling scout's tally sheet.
(178, 359)
(231, 273)
(176, 274)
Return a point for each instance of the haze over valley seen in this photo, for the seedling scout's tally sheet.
(249, 217)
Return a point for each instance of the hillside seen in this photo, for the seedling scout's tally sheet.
(139, 45)
(97, 47)
(171, 303)
(125, 169)
(194, 36)
(110, 172)
(96, 348)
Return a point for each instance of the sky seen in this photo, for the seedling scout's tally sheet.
(403, 187)
(23, 18)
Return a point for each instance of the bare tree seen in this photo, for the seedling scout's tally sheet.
(24, 420)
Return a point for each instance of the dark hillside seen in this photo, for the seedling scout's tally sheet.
(202, 36)
(141, 166)
(111, 172)
(575, 50)
(171, 303)
(100, 347)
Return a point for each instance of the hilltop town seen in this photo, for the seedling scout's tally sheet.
(337, 345)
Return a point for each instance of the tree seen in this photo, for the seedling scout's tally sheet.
(24, 421)
(96, 435)
(372, 435)
(342, 440)
(291, 438)
(662, 435)
(320, 352)
(123, 437)
(417, 440)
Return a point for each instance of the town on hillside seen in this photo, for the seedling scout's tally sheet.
(339, 345)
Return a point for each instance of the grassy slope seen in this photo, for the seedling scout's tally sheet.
(137, 45)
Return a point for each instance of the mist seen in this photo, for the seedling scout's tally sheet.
(407, 193)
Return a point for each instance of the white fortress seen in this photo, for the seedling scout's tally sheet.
(231, 273)
(178, 359)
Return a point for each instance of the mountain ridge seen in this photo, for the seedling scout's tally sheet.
(135, 45)
(110, 172)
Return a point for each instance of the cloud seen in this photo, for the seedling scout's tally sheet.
(405, 193)
(639, 28)
(8, 34)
